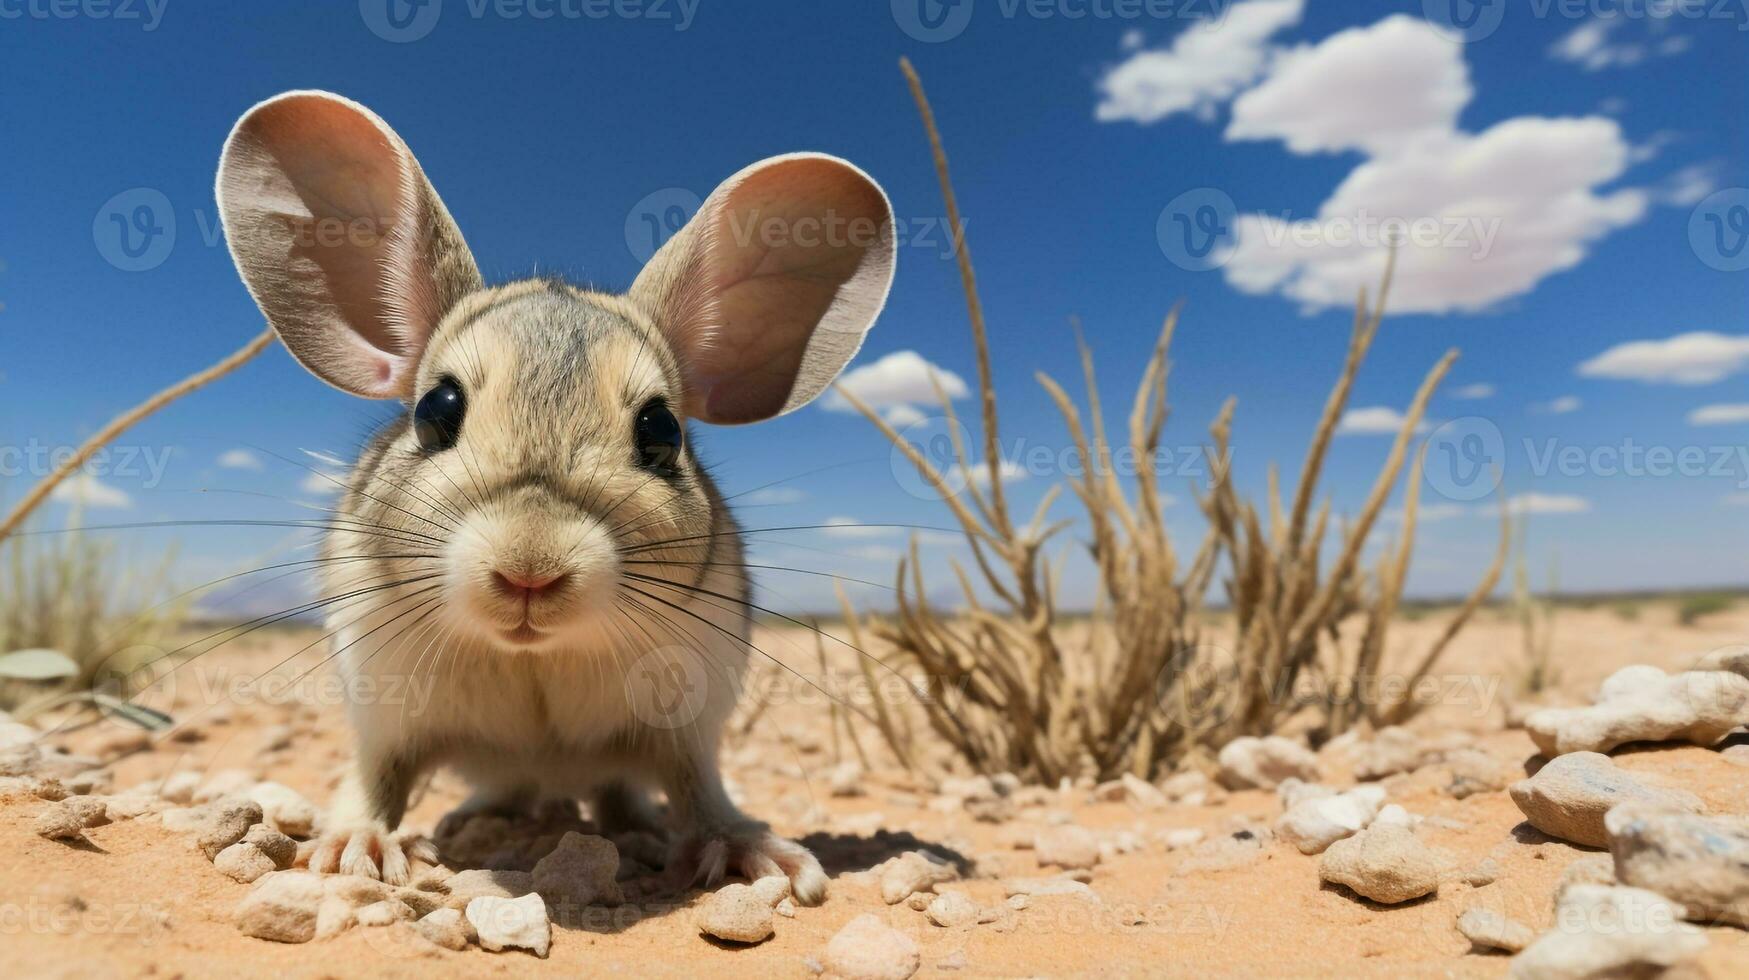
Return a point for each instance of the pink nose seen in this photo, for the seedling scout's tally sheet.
(527, 583)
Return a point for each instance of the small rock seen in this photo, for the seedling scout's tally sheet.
(1701, 707)
(1483, 874)
(1474, 771)
(225, 782)
(1262, 763)
(1235, 849)
(285, 809)
(422, 902)
(1191, 788)
(91, 811)
(243, 862)
(1314, 824)
(383, 913)
(955, 960)
(447, 928)
(179, 786)
(845, 779)
(1488, 929)
(282, 907)
(772, 889)
(952, 909)
(1699, 862)
(785, 908)
(868, 949)
(129, 806)
(1568, 797)
(1181, 837)
(58, 821)
(225, 823)
(1393, 814)
(273, 738)
(737, 914)
(1141, 794)
(1046, 887)
(511, 923)
(1391, 751)
(1603, 931)
(279, 848)
(1066, 847)
(582, 870)
(1588, 869)
(465, 886)
(334, 916)
(1387, 864)
(912, 872)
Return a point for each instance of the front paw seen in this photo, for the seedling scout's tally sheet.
(752, 851)
(370, 851)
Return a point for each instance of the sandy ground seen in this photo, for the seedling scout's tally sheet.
(139, 900)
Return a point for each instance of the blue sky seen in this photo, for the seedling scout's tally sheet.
(1583, 166)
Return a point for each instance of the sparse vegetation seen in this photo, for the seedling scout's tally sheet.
(1140, 687)
(1536, 622)
(68, 618)
(1692, 608)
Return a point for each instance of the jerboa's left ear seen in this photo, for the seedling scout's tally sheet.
(768, 291)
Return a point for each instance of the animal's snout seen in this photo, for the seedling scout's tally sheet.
(522, 584)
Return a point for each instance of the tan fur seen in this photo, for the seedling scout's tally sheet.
(616, 680)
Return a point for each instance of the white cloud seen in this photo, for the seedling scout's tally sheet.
(980, 473)
(850, 527)
(323, 483)
(1368, 88)
(239, 459)
(1207, 64)
(894, 384)
(1375, 420)
(1480, 217)
(1429, 513)
(1547, 503)
(1698, 358)
(1734, 414)
(771, 495)
(1688, 186)
(1594, 45)
(1473, 392)
(903, 416)
(1564, 405)
(85, 490)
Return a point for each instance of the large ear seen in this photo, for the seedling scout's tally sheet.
(767, 292)
(340, 239)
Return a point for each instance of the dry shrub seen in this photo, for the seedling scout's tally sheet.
(70, 593)
(62, 597)
(1135, 690)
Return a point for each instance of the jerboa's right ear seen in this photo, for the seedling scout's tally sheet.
(341, 239)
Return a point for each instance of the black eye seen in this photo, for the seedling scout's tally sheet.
(659, 438)
(437, 419)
